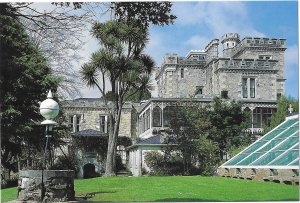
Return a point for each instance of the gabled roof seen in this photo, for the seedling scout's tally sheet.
(89, 132)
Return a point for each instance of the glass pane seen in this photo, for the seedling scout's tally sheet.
(270, 156)
(156, 117)
(295, 163)
(252, 87)
(270, 145)
(281, 128)
(287, 158)
(288, 132)
(236, 159)
(249, 159)
(255, 146)
(288, 143)
(245, 91)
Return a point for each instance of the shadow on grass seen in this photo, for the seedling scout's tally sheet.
(89, 195)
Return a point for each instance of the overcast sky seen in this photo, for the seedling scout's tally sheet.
(199, 22)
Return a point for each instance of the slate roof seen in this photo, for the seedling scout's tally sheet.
(151, 140)
(89, 132)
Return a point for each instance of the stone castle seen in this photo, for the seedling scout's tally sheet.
(250, 70)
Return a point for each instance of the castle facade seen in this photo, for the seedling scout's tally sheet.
(250, 70)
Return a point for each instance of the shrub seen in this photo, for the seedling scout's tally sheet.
(160, 164)
(65, 162)
(119, 165)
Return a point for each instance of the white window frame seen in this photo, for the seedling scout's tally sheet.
(248, 87)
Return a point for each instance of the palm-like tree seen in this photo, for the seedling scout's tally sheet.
(121, 61)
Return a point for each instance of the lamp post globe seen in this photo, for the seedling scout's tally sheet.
(49, 109)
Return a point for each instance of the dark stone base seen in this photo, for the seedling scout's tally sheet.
(46, 186)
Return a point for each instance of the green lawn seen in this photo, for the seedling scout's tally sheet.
(178, 188)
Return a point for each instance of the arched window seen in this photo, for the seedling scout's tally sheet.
(156, 118)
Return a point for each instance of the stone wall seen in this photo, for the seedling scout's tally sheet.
(287, 176)
(46, 186)
(125, 124)
(231, 81)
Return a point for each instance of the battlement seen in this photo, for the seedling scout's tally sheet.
(191, 61)
(211, 43)
(256, 41)
(230, 36)
(170, 58)
(247, 64)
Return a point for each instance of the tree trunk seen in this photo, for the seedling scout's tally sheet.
(112, 144)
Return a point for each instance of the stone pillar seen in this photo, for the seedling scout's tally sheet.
(252, 107)
(46, 186)
(74, 123)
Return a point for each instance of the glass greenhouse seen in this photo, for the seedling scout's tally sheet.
(279, 148)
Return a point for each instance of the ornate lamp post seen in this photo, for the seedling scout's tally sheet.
(49, 110)
(46, 185)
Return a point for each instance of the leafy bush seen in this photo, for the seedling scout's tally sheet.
(119, 165)
(208, 156)
(66, 162)
(160, 164)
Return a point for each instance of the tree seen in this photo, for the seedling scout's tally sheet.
(203, 134)
(228, 122)
(282, 112)
(144, 13)
(57, 32)
(122, 62)
(25, 78)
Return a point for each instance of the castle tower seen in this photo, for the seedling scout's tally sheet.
(229, 41)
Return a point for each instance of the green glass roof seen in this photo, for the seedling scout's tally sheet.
(279, 147)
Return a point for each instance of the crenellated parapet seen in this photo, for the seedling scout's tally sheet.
(212, 50)
(256, 43)
(230, 36)
(226, 63)
(170, 58)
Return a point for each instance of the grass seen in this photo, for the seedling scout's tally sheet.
(178, 188)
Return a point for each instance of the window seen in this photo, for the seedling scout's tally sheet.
(182, 73)
(252, 87)
(265, 57)
(224, 94)
(266, 115)
(77, 123)
(147, 117)
(71, 121)
(74, 122)
(167, 112)
(278, 96)
(156, 117)
(102, 124)
(245, 90)
(199, 90)
(248, 84)
(257, 117)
